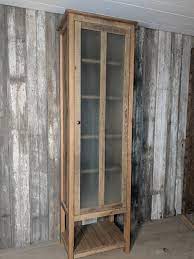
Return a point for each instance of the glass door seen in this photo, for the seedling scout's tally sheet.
(114, 117)
(101, 86)
(90, 97)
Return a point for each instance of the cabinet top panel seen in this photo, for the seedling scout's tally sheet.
(95, 18)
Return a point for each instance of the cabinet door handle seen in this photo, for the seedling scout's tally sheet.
(78, 122)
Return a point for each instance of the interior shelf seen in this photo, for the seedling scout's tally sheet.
(89, 137)
(96, 170)
(95, 61)
(90, 97)
(108, 136)
(112, 136)
(113, 98)
(98, 237)
(90, 61)
(96, 97)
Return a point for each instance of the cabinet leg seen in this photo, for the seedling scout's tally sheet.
(70, 256)
(127, 233)
(111, 218)
(71, 240)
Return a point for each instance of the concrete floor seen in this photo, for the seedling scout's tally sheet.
(168, 239)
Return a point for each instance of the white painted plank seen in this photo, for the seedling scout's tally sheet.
(18, 141)
(31, 58)
(160, 135)
(173, 102)
(24, 195)
(42, 123)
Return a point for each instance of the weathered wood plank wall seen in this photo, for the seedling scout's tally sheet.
(160, 114)
(29, 126)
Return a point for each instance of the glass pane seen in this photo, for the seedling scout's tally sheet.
(89, 117)
(90, 44)
(115, 47)
(89, 173)
(89, 154)
(89, 187)
(113, 117)
(114, 80)
(90, 85)
(90, 79)
(114, 120)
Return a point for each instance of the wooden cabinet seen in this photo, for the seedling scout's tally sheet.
(96, 80)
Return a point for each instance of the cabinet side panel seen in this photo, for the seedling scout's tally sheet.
(71, 133)
(127, 219)
(64, 125)
(77, 114)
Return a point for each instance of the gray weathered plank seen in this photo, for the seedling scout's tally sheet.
(149, 105)
(42, 123)
(53, 125)
(3, 67)
(5, 210)
(160, 134)
(137, 126)
(173, 101)
(31, 68)
(24, 199)
(24, 126)
(18, 120)
(5, 207)
(183, 99)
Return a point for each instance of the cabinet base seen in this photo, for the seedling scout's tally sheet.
(96, 238)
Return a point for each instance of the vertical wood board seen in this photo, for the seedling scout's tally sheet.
(172, 127)
(183, 100)
(160, 134)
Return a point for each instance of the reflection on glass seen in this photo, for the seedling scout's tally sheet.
(90, 85)
(113, 124)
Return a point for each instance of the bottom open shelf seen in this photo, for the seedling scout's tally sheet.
(98, 237)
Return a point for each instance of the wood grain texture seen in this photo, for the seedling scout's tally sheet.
(24, 141)
(42, 124)
(71, 134)
(149, 106)
(5, 205)
(160, 134)
(162, 72)
(130, 80)
(77, 115)
(19, 142)
(188, 184)
(31, 46)
(52, 60)
(96, 238)
(137, 124)
(172, 127)
(183, 100)
(29, 125)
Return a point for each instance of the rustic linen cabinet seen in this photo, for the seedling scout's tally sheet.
(96, 88)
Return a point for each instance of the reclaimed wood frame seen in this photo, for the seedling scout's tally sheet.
(71, 214)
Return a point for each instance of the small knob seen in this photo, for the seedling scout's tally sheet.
(78, 122)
